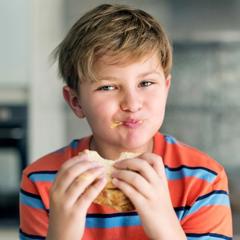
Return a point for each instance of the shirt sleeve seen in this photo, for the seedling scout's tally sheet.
(33, 213)
(209, 217)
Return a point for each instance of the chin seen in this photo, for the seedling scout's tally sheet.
(137, 144)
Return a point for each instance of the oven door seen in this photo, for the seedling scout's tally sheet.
(13, 159)
(9, 184)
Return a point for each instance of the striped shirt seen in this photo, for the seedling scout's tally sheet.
(197, 184)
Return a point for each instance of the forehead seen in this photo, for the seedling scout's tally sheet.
(106, 62)
(126, 56)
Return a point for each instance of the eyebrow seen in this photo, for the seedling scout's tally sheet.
(149, 73)
(142, 75)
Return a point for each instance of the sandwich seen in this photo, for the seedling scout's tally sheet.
(111, 196)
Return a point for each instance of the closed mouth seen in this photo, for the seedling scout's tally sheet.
(132, 123)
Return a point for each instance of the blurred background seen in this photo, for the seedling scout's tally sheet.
(204, 102)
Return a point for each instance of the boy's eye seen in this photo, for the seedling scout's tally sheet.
(106, 88)
(146, 83)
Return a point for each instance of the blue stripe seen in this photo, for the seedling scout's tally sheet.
(22, 237)
(173, 174)
(43, 177)
(116, 221)
(31, 201)
(74, 143)
(219, 198)
(170, 139)
(25, 236)
(207, 236)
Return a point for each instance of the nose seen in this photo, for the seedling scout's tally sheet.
(131, 102)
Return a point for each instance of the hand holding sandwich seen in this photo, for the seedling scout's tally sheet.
(144, 182)
(77, 184)
(140, 183)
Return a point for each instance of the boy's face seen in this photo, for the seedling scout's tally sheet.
(126, 107)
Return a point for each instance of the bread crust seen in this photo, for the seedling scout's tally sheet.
(110, 195)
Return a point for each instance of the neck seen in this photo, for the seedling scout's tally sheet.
(110, 152)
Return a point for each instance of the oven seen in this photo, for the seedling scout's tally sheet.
(13, 158)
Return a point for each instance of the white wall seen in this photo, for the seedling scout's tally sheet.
(14, 35)
(47, 126)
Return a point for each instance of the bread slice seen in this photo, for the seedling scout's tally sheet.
(110, 195)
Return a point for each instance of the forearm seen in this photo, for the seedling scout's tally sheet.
(173, 231)
(169, 227)
(60, 234)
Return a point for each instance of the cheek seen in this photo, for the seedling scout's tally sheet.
(156, 108)
(157, 101)
(101, 110)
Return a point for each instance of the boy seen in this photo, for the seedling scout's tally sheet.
(116, 63)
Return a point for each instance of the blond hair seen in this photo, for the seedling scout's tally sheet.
(119, 31)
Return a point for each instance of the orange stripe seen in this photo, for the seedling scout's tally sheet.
(129, 233)
(182, 192)
(218, 221)
(44, 191)
(33, 221)
(27, 185)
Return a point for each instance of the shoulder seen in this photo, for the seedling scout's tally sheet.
(177, 154)
(54, 160)
(39, 175)
(191, 171)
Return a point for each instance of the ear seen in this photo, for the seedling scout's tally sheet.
(168, 81)
(72, 100)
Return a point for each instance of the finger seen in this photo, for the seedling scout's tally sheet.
(155, 161)
(91, 193)
(138, 165)
(82, 156)
(82, 182)
(67, 176)
(133, 194)
(134, 179)
(68, 164)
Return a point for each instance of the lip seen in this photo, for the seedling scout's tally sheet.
(132, 123)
